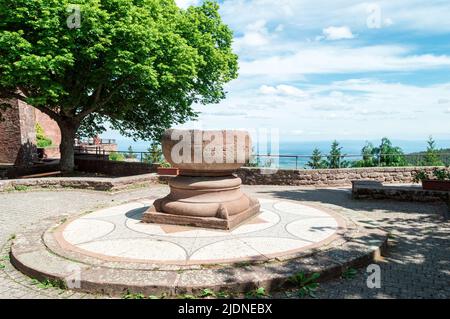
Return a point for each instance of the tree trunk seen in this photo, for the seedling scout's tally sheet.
(68, 131)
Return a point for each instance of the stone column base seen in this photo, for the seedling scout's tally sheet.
(207, 202)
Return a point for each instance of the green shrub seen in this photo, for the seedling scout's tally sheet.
(154, 154)
(130, 154)
(441, 174)
(420, 176)
(42, 141)
(165, 164)
(316, 161)
(117, 157)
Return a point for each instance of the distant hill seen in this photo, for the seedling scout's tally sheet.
(416, 157)
(445, 151)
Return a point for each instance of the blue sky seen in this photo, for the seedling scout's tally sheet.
(320, 70)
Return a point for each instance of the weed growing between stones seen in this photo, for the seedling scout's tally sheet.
(349, 273)
(49, 283)
(207, 293)
(307, 286)
(21, 188)
(129, 295)
(257, 293)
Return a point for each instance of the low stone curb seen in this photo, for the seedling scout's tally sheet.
(86, 183)
(35, 255)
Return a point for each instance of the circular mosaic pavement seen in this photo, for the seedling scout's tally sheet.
(111, 252)
(117, 234)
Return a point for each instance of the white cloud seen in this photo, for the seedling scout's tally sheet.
(337, 33)
(429, 16)
(286, 90)
(363, 108)
(186, 3)
(321, 59)
(297, 132)
(255, 35)
(279, 28)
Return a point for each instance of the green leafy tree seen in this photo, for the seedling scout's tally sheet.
(368, 157)
(335, 158)
(316, 161)
(130, 154)
(154, 154)
(388, 155)
(432, 157)
(116, 157)
(138, 65)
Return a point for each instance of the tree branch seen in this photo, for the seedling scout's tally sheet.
(97, 104)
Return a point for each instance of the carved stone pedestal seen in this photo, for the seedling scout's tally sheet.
(206, 195)
(208, 202)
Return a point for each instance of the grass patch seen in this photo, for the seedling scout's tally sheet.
(258, 293)
(224, 295)
(129, 295)
(49, 283)
(207, 293)
(21, 188)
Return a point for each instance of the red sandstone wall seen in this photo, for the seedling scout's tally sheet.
(10, 134)
(18, 134)
(27, 152)
(51, 128)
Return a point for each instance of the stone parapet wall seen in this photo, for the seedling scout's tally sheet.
(328, 177)
(113, 168)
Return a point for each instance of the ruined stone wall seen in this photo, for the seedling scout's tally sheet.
(328, 177)
(17, 135)
(27, 153)
(50, 127)
(10, 134)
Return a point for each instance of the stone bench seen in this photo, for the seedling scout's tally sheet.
(409, 193)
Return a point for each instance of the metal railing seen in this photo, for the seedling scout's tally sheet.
(290, 161)
(92, 141)
(100, 152)
(345, 161)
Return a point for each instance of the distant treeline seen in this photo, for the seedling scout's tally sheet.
(383, 155)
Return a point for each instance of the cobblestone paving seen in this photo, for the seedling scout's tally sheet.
(418, 261)
(417, 266)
